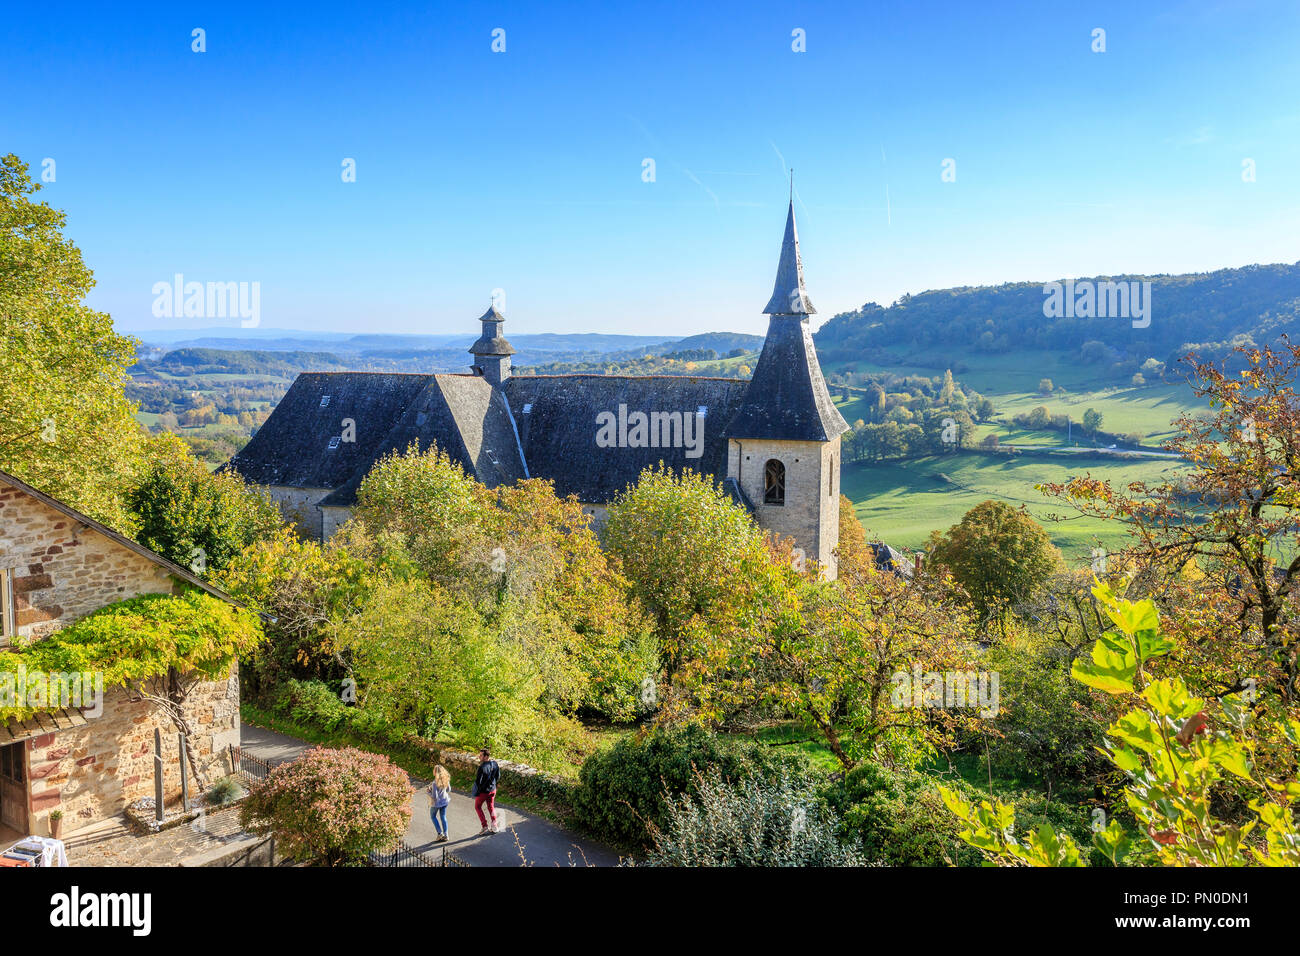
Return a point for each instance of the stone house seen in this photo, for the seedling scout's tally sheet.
(772, 443)
(56, 566)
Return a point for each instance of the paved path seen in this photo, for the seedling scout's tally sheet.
(524, 840)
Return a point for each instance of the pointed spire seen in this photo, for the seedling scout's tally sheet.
(787, 398)
(789, 297)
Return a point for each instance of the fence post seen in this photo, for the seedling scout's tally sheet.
(185, 779)
(157, 775)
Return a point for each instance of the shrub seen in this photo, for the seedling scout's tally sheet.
(626, 789)
(762, 821)
(897, 818)
(224, 791)
(331, 806)
(313, 703)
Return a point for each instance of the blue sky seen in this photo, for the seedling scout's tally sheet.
(522, 170)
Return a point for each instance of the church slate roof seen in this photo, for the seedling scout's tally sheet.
(546, 426)
(487, 430)
(292, 448)
(558, 430)
(466, 418)
(787, 398)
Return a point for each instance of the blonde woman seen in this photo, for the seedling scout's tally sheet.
(439, 797)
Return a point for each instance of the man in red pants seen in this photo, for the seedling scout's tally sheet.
(485, 791)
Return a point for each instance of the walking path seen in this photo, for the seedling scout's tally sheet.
(524, 840)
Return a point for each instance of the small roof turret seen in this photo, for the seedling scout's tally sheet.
(492, 342)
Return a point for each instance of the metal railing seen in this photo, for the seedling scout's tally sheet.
(247, 766)
(406, 855)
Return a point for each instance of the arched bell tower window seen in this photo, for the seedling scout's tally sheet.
(774, 483)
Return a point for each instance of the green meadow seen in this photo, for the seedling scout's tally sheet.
(901, 502)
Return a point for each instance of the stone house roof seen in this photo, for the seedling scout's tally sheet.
(175, 570)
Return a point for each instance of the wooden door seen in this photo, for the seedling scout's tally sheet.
(13, 787)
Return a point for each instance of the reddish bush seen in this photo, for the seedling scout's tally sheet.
(331, 806)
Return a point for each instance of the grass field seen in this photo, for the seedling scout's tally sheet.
(901, 502)
(1148, 411)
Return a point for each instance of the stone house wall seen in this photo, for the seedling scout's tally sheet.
(93, 771)
(63, 569)
(298, 505)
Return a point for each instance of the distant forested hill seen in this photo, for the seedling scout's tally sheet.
(1203, 312)
(201, 361)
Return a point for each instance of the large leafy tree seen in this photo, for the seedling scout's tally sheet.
(65, 424)
(1232, 517)
(302, 587)
(687, 548)
(425, 502)
(530, 565)
(196, 518)
(830, 654)
(427, 661)
(1000, 556)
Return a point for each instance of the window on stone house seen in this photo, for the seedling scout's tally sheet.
(774, 483)
(8, 617)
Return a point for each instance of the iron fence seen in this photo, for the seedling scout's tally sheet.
(247, 766)
(406, 855)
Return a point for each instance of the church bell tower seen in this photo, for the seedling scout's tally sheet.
(784, 442)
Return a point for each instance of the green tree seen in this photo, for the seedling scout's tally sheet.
(66, 427)
(685, 546)
(196, 518)
(426, 661)
(531, 565)
(947, 389)
(425, 501)
(302, 587)
(1092, 421)
(998, 554)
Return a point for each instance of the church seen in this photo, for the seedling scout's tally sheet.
(772, 443)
